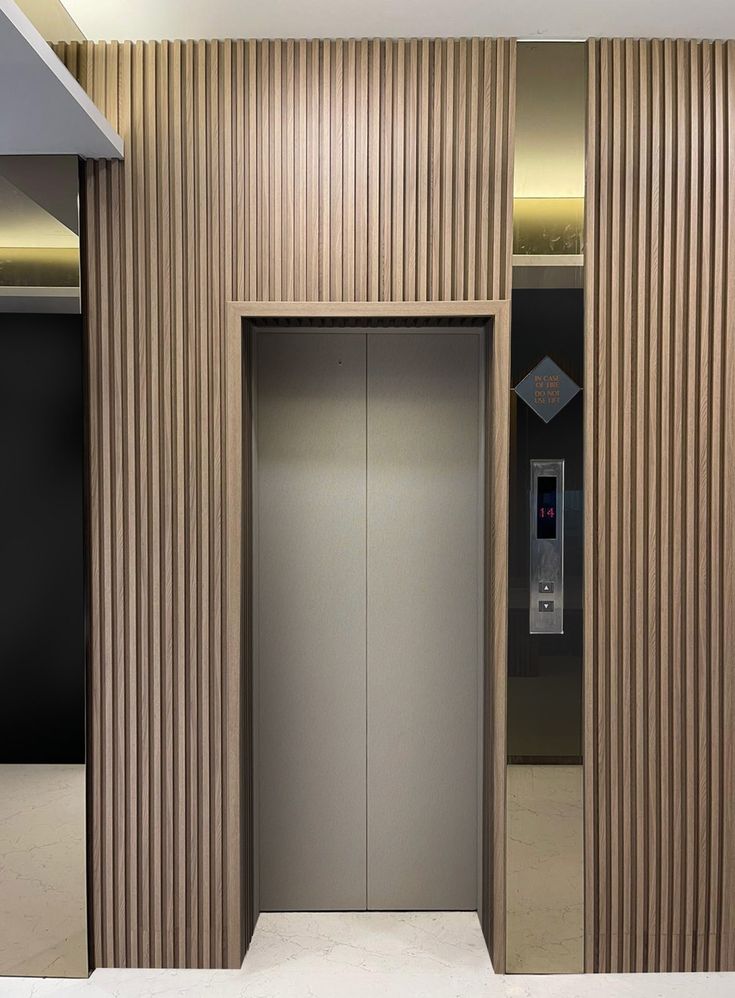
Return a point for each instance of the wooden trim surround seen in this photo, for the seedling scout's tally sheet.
(237, 552)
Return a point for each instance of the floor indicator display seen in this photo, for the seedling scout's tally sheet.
(546, 578)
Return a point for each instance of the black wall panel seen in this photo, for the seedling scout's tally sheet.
(42, 619)
(545, 670)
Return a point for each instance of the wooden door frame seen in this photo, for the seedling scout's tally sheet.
(237, 606)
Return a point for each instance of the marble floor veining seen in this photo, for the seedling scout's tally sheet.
(367, 955)
(43, 870)
(320, 955)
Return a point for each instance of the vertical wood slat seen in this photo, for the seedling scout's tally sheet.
(266, 170)
(659, 496)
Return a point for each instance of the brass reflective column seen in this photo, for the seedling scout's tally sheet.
(545, 868)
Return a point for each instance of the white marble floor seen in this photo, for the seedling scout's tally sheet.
(367, 955)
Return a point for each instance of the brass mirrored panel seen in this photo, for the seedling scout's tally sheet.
(545, 848)
(43, 889)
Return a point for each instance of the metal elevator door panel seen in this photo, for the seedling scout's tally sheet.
(310, 615)
(424, 615)
(368, 568)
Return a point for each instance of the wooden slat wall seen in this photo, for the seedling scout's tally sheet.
(660, 506)
(274, 170)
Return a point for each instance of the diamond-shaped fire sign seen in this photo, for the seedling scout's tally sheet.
(546, 389)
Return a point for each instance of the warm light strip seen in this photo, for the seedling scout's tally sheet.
(548, 226)
(35, 266)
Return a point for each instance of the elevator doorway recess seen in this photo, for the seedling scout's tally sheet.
(244, 320)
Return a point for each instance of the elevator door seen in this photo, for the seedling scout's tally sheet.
(368, 618)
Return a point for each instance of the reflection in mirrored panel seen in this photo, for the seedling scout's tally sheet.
(43, 926)
(545, 926)
(43, 921)
(545, 847)
(39, 234)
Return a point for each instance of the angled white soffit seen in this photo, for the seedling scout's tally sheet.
(52, 19)
(43, 110)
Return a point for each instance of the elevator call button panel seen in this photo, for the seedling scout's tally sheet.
(546, 545)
